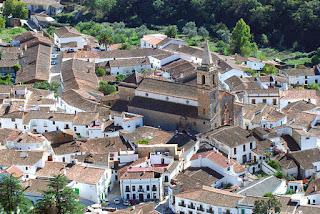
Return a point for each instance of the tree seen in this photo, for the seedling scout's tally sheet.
(2, 23)
(171, 31)
(106, 88)
(59, 198)
(105, 39)
(120, 77)
(190, 29)
(266, 205)
(269, 69)
(16, 9)
(241, 39)
(315, 60)
(100, 72)
(6, 80)
(12, 198)
(202, 31)
(264, 41)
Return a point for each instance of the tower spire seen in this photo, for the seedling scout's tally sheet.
(206, 58)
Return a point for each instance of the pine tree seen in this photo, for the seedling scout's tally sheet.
(12, 198)
(59, 199)
(241, 39)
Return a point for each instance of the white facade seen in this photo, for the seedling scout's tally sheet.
(62, 43)
(158, 63)
(128, 121)
(125, 70)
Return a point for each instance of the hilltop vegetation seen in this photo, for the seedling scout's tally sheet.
(290, 24)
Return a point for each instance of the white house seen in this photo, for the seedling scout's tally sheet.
(28, 142)
(128, 121)
(207, 200)
(233, 141)
(307, 139)
(302, 76)
(51, 7)
(139, 181)
(129, 66)
(158, 61)
(90, 183)
(151, 40)
(27, 161)
(298, 94)
(69, 39)
(229, 168)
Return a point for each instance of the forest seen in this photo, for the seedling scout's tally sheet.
(282, 24)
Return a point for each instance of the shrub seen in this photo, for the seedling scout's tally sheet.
(106, 88)
(100, 72)
(143, 141)
(274, 164)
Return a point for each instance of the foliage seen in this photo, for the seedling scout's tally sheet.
(120, 77)
(190, 29)
(17, 67)
(6, 80)
(15, 8)
(100, 8)
(279, 174)
(100, 71)
(290, 192)
(50, 30)
(106, 88)
(268, 194)
(315, 60)
(12, 198)
(241, 39)
(171, 31)
(274, 164)
(45, 85)
(202, 31)
(264, 41)
(223, 48)
(113, 33)
(314, 86)
(251, 72)
(266, 205)
(59, 198)
(143, 141)
(269, 69)
(2, 23)
(8, 34)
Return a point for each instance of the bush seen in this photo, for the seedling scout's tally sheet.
(278, 174)
(6, 80)
(17, 67)
(269, 69)
(120, 77)
(171, 31)
(274, 164)
(143, 141)
(106, 88)
(100, 72)
(45, 85)
(314, 86)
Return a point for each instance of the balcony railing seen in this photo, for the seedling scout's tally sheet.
(191, 207)
(140, 190)
(200, 209)
(182, 204)
(210, 210)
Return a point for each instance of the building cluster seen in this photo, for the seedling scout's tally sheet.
(186, 126)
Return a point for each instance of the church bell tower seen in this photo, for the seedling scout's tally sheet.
(208, 91)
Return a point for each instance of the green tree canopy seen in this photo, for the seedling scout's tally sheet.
(171, 31)
(106, 88)
(202, 31)
(12, 198)
(59, 198)
(266, 205)
(190, 29)
(241, 39)
(16, 8)
(315, 60)
(100, 71)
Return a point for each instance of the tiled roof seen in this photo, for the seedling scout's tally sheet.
(87, 175)
(219, 159)
(129, 62)
(35, 64)
(153, 135)
(51, 169)
(306, 158)
(12, 157)
(212, 196)
(66, 32)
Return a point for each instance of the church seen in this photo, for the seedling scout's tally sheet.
(198, 105)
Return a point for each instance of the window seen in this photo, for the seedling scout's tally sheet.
(274, 101)
(134, 196)
(128, 196)
(147, 94)
(13, 119)
(244, 148)
(27, 168)
(235, 151)
(133, 188)
(75, 129)
(250, 145)
(53, 122)
(264, 100)
(253, 101)
(140, 187)
(203, 79)
(166, 179)
(148, 187)
(127, 189)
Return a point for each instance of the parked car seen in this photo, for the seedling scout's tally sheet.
(116, 201)
(126, 203)
(54, 56)
(53, 62)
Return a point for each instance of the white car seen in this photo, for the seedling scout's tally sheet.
(116, 201)
(54, 56)
(126, 203)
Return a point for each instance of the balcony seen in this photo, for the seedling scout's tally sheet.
(210, 210)
(140, 190)
(154, 189)
(200, 209)
(182, 204)
(127, 190)
(191, 206)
